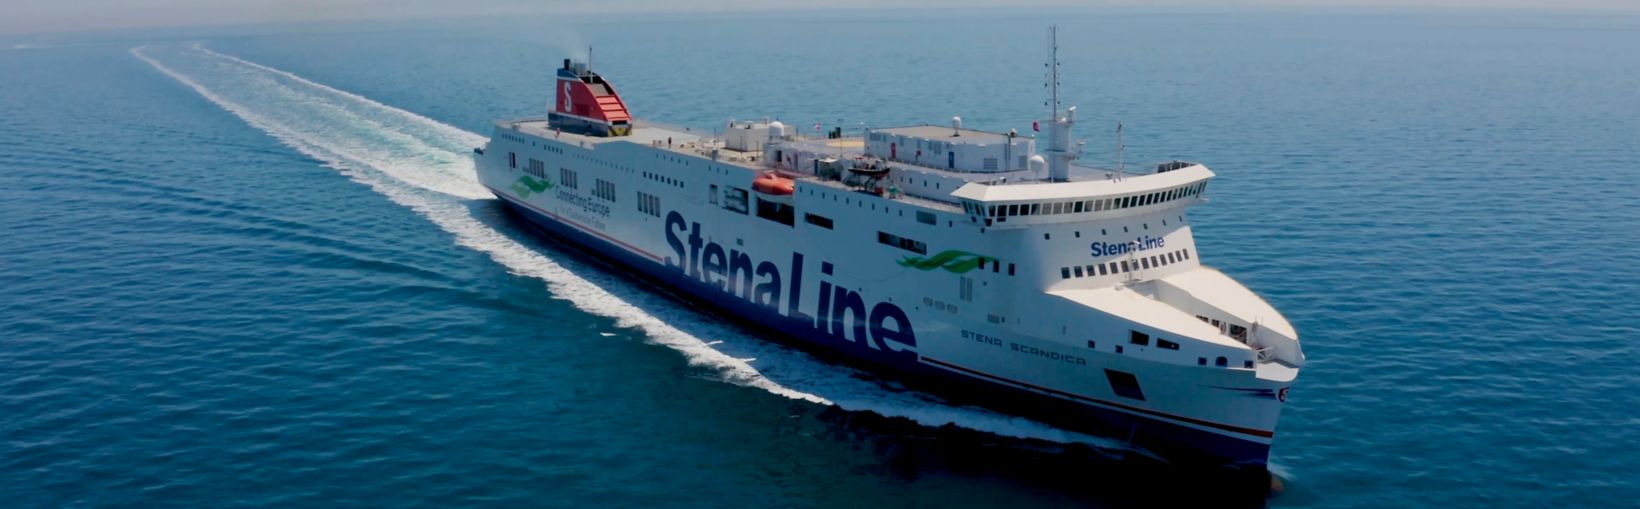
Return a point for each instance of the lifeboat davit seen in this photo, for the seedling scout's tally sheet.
(772, 183)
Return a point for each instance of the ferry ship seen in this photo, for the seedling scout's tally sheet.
(976, 265)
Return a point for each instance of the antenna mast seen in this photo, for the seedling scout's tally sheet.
(1120, 147)
(1053, 70)
(1060, 153)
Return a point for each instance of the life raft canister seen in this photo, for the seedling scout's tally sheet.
(770, 183)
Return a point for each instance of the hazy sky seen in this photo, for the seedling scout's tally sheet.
(29, 16)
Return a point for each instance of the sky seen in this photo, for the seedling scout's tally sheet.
(45, 16)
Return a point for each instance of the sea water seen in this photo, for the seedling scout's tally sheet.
(252, 266)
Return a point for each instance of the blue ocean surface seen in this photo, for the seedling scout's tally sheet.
(250, 266)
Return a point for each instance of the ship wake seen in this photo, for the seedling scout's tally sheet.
(426, 166)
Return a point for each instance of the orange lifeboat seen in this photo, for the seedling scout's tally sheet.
(772, 183)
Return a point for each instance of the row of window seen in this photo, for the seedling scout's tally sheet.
(1229, 329)
(649, 204)
(1003, 212)
(919, 247)
(600, 161)
(915, 246)
(568, 178)
(663, 179)
(922, 216)
(603, 189)
(941, 305)
(1122, 266)
(521, 141)
(535, 168)
(912, 180)
(996, 265)
(670, 158)
(1141, 339)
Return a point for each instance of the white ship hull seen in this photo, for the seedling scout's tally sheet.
(973, 312)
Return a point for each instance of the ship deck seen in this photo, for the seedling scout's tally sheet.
(697, 143)
(689, 141)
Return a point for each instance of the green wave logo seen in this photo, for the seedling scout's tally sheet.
(526, 186)
(953, 261)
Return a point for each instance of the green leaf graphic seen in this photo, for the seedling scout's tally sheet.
(526, 186)
(953, 261)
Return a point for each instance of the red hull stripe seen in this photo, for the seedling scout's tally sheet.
(561, 219)
(1137, 410)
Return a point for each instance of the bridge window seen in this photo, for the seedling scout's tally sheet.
(1064, 273)
(1078, 271)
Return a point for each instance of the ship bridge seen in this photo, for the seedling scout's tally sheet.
(1024, 203)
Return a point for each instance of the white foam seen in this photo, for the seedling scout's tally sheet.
(422, 164)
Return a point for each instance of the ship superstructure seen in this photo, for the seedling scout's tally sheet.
(996, 269)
